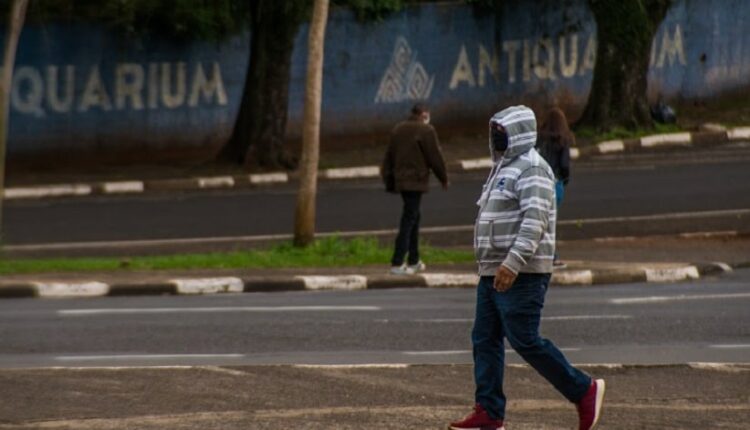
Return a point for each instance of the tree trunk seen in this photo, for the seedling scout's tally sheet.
(259, 131)
(304, 219)
(625, 32)
(12, 34)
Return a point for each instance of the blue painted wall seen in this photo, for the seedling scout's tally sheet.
(79, 88)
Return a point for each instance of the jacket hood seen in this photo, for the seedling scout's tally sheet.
(520, 124)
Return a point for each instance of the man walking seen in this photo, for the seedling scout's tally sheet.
(515, 244)
(413, 151)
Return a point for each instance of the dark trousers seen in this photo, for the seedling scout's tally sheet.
(408, 231)
(515, 315)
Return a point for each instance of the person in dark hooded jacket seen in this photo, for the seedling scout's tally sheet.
(413, 152)
(553, 143)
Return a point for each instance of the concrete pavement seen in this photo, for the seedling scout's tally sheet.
(387, 397)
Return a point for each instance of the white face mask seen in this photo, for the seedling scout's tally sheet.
(426, 119)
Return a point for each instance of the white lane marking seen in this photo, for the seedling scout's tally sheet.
(144, 357)
(676, 298)
(216, 182)
(731, 346)
(259, 309)
(450, 280)
(352, 172)
(553, 318)
(268, 178)
(209, 285)
(611, 146)
(466, 351)
(586, 317)
(345, 282)
(663, 216)
(450, 352)
(80, 289)
(666, 139)
(122, 187)
(219, 369)
(672, 274)
(353, 366)
(47, 191)
(721, 367)
(710, 234)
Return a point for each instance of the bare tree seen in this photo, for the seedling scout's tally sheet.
(12, 34)
(304, 217)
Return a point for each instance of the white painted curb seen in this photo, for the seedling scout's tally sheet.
(47, 191)
(352, 172)
(208, 285)
(666, 139)
(123, 187)
(672, 275)
(611, 146)
(346, 282)
(573, 277)
(216, 182)
(739, 133)
(449, 280)
(61, 289)
(477, 163)
(268, 178)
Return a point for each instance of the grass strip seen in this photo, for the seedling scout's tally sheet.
(328, 252)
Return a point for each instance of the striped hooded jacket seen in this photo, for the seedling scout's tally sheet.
(517, 210)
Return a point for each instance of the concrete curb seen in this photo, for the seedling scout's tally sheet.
(222, 285)
(715, 136)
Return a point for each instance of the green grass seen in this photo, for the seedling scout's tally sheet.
(328, 252)
(593, 136)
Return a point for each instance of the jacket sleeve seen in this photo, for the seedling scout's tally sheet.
(536, 193)
(434, 155)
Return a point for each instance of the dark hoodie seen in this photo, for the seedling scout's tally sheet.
(414, 150)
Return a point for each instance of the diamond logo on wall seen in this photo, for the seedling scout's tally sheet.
(405, 78)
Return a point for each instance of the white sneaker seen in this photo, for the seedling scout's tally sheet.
(419, 267)
(402, 270)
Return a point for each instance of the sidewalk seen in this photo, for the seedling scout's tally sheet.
(386, 397)
(461, 156)
(590, 262)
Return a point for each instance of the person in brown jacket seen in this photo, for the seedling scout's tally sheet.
(413, 151)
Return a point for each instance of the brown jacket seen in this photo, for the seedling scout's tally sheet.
(414, 150)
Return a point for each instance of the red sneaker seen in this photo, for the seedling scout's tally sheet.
(478, 420)
(590, 406)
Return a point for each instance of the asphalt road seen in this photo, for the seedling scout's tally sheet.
(705, 321)
(706, 180)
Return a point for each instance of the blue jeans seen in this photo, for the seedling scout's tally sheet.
(515, 315)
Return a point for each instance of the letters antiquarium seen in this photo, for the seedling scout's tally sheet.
(62, 89)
